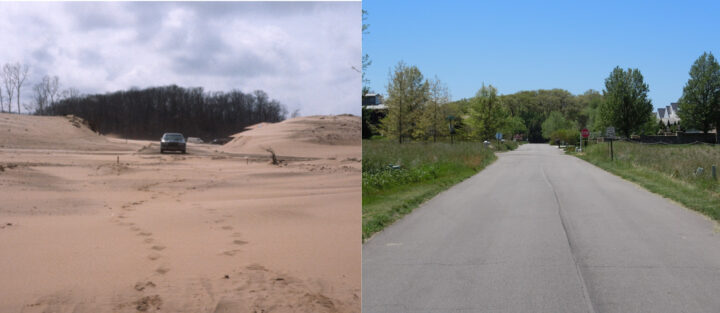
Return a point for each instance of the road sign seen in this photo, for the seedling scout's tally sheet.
(498, 136)
(610, 132)
(585, 133)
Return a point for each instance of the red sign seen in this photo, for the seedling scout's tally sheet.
(585, 133)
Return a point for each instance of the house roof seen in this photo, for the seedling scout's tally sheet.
(661, 112)
(675, 106)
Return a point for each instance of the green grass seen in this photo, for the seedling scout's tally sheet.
(396, 178)
(668, 170)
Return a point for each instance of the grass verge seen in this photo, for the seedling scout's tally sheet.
(668, 170)
(398, 178)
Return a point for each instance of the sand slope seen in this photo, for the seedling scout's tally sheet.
(50, 132)
(310, 136)
(203, 232)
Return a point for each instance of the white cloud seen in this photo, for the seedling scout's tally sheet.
(300, 53)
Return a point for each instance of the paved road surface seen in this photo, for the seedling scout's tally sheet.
(539, 231)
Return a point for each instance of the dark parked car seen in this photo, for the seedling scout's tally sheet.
(172, 141)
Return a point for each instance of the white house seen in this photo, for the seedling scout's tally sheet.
(668, 114)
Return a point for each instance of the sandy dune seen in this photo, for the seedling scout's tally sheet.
(308, 136)
(216, 230)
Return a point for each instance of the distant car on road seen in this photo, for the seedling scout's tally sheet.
(172, 141)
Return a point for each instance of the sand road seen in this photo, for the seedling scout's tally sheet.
(209, 231)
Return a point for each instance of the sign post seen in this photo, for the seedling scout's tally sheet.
(451, 127)
(610, 133)
(585, 134)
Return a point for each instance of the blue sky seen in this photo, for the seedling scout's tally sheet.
(527, 45)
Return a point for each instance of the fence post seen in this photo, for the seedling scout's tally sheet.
(714, 172)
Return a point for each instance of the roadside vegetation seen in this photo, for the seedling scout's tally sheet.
(407, 158)
(398, 178)
(671, 171)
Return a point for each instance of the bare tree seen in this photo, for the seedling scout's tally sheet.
(53, 88)
(9, 82)
(2, 103)
(21, 74)
(69, 93)
(47, 91)
(41, 95)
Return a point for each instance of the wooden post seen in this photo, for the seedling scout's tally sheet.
(612, 156)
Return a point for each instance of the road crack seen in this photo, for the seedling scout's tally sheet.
(583, 285)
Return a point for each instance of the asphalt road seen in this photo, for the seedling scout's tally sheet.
(539, 231)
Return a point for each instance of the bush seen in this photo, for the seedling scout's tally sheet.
(567, 136)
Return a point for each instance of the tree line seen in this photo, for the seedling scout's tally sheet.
(148, 113)
(420, 109)
(13, 77)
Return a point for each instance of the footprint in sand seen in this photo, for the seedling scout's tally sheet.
(231, 252)
(227, 227)
(140, 286)
(256, 267)
(162, 270)
(240, 242)
(146, 234)
(154, 256)
(158, 248)
(148, 240)
(148, 303)
(237, 234)
(135, 228)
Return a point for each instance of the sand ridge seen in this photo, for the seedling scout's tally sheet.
(104, 225)
(311, 136)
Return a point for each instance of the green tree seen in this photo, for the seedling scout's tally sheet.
(486, 115)
(651, 127)
(555, 121)
(700, 101)
(433, 122)
(366, 62)
(626, 104)
(514, 125)
(407, 93)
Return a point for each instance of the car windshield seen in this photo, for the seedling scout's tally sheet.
(173, 137)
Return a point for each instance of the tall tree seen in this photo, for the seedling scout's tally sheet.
(486, 113)
(18, 74)
(53, 87)
(47, 91)
(432, 122)
(149, 112)
(407, 92)
(626, 105)
(9, 81)
(556, 121)
(69, 93)
(366, 62)
(40, 97)
(700, 101)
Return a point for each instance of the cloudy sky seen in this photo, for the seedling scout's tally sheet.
(302, 54)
